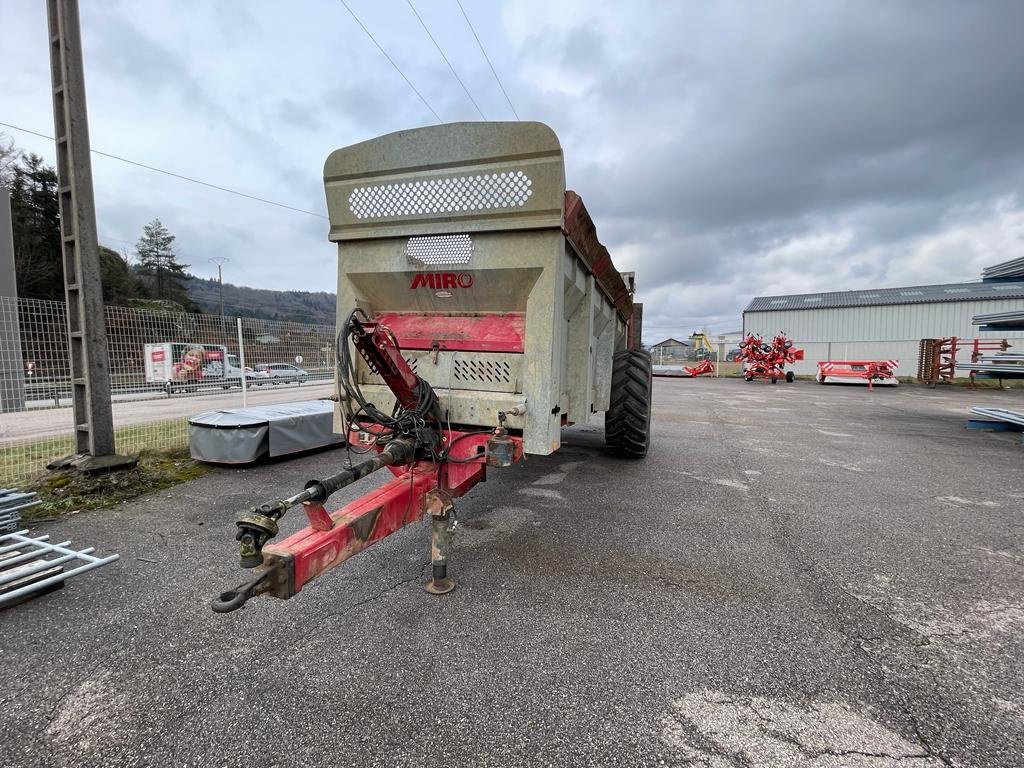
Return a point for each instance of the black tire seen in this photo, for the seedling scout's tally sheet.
(627, 422)
(790, 377)
(774, 380)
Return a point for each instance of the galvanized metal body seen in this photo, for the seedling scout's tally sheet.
(456, 237)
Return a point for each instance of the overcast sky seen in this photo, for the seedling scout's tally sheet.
(725, 150)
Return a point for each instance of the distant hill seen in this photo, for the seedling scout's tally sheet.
(240, 301)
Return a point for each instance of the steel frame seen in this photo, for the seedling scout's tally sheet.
(768, 361)
(417, 489)
(704, 368)
(944, 352)
(34, 561)
(869, 370)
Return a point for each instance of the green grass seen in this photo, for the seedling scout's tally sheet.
(68, 492)
(22, 463)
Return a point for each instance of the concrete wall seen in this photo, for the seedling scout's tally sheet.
(877, 333)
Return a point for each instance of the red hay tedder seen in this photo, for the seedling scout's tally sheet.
(762, 360)
(478, 314)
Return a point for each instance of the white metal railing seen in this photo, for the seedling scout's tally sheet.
(17, 565)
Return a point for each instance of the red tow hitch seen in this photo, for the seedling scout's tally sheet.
(431, 466)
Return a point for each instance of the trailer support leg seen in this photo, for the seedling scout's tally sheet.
(442, 529)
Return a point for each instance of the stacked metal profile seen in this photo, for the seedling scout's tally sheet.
(1000, 414)
(1007, 270)
(12, 501)
(1001, 321)
(1004, 365)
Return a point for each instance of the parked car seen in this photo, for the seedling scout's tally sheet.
(252, 376)
(735, 355)
(282, 373)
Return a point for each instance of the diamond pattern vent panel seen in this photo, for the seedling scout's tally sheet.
(489, 191)
(440, 249)
(492, 371)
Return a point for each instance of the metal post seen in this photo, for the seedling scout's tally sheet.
(241, 363)
(87, 334)
(12, 367)
(219, 261)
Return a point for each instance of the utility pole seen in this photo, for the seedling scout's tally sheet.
(219, 261)
(83, 289)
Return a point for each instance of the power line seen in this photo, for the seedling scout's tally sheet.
(176, 175)
(397, 69)
(436, 45)
(488, 58)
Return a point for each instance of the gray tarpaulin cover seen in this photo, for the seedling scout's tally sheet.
(238, 435)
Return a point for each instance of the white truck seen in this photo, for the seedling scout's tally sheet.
(185, 366)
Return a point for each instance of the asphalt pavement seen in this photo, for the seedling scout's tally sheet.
(797, 575)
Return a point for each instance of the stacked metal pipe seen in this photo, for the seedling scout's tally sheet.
(12, 501)
(1001, 321)
(1006, 365)
(1000, 414)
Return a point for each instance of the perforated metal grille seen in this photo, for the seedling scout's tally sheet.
(493, 371)
(440, 249)
(460, 193)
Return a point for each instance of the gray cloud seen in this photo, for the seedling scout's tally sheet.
(724, 149)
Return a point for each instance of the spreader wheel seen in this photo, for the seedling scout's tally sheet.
(627, 422)
(790, 377)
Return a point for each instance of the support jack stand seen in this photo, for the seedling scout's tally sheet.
(442, 530)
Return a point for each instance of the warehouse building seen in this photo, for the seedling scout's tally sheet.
(671, 351)
(886, 323)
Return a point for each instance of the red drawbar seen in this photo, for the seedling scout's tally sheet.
(481, 333)
(333, 537)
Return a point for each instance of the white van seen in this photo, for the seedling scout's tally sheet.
(179, 366)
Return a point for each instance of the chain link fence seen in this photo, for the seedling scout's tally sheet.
(165, 366)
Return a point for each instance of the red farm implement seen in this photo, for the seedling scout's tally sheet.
(937, 358)
(870, 371)
(479, 314)
(762, 360)
(703, 368)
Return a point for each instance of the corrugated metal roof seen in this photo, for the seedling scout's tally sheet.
(918, 294)
(672, 342)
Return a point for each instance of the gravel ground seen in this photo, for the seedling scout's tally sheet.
(797, 575)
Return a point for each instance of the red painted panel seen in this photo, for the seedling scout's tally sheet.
(480, 333)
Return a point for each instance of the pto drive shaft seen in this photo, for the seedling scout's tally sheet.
(260, 525)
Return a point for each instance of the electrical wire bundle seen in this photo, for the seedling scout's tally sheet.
(361, 414)
(376, 426)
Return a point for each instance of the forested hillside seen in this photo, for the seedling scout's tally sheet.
(297, 306)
